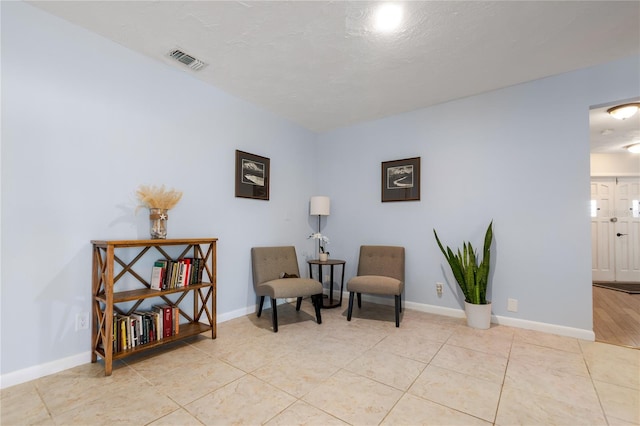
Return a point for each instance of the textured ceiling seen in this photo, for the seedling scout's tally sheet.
(321, 64)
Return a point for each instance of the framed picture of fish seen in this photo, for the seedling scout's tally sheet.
(401, 180)
(252, 176)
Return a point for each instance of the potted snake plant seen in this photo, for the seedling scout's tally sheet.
(472, 275)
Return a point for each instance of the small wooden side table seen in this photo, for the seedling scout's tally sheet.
(331, 263)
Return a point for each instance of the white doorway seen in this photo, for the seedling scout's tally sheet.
(615, 228)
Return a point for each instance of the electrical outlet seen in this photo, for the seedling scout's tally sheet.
(439, 289)
(327, 278)
(82, 321)
(512, 305)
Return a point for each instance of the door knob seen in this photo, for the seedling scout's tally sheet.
(620, 235)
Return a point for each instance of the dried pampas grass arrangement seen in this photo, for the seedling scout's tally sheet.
(155, 197)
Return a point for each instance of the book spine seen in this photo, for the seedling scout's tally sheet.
(200, 269)
(194, 271)
(115, 332)
(176, 320)
(140, 324)
(151, 330)
(174, 275)
(123, 333)
(140, 318)
(156, 277)
(133, 332)
(167, 320)
(159, 330)
(187, 272)
(180, 273)
(129, 332)
(168, 274)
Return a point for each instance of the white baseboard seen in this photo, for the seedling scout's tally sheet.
(560, 330)
(42, 370)
(227, 316)
(35, 372)
(433, 309)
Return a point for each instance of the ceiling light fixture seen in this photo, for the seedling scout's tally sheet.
(388, 17)
(634, 148)
(624, 111)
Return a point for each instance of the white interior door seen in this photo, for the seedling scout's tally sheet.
(627, 229)
(602, 229)
(615, 228)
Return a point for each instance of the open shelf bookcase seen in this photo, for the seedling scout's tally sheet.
(107, 302)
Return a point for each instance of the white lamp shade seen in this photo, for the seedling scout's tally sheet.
(320, 205)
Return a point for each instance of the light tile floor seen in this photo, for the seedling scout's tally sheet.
(431, 370)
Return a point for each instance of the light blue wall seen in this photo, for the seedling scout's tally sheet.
(85, 121)
(517, 156)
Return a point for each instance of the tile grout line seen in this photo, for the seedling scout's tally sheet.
(504, 378)
(595, 390)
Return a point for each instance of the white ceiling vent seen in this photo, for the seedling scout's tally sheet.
(188, 60)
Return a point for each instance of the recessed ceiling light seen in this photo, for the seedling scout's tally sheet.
(388, 17)
(624, 111)
(634, 148)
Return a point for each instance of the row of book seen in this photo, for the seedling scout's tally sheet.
(170, 274)
(141, 328)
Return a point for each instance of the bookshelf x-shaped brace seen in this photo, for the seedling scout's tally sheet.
(203, 306)
(128, 267)
(206, 260)
(100, 331)
(205, 298)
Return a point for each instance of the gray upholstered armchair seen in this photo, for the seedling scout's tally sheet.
(380, 271)
(270, 267)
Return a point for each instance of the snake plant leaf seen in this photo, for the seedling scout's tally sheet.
(455, 263)
(471, 273)
(457, 267)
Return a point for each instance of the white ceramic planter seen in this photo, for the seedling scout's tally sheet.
(323, 257)
(478, 316)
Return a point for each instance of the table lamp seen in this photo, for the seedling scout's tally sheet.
(319, 205)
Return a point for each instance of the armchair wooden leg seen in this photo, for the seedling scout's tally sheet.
(317, 303)
(350, 306)
(359, 300)
(275, 315)
(260, 307)
(398, 310)
(298, 303)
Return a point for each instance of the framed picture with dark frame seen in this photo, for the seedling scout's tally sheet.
(252, 176)
(401, 180)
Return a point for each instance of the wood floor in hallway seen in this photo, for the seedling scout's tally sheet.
(616, 317)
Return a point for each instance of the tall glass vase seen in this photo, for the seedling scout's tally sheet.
(158, 220)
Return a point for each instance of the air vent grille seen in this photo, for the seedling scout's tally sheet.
(186, 59)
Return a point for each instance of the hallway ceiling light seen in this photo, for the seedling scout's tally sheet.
(388, 17)
(624, 111)
(634, 148)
